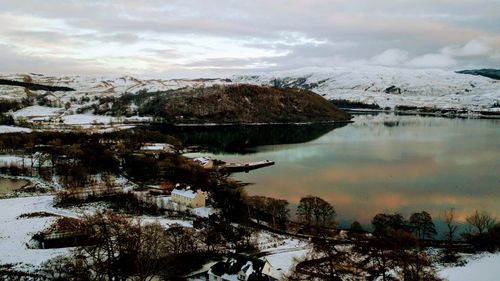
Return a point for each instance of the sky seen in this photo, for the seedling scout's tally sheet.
(189, 38)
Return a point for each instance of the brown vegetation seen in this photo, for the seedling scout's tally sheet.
(243, 104)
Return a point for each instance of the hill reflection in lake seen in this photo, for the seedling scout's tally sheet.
(243, 139)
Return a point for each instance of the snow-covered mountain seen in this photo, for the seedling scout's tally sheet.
(387, 87)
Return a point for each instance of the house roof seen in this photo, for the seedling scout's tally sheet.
(252, 267)
(185, 193)
(202, 160)
(156, 146)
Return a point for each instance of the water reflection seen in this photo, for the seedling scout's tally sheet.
(388, 163)
(244, 139)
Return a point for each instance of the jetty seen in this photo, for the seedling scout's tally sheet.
(244, 167)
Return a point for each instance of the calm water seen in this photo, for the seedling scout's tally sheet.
(381, 163)
(9, 185)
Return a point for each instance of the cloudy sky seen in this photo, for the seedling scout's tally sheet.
(190, 38)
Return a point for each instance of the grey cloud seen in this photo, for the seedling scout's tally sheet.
(426, 33)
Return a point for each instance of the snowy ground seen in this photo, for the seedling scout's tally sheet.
(16, 233)
(37, 111)
(7, 160)
(13, 129)
(478, 268)
(281, 251)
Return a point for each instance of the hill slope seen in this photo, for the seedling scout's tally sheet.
(242, 104)
(391, 87)
(490, 73)
(386, 87)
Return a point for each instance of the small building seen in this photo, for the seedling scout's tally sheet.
(241, 268)
(167, 187)
(157, 148)
(205, 162)
(188, 197)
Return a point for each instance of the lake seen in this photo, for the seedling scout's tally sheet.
(9, 185)
(378, 163)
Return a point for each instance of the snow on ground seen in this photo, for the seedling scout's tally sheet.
(7, 160)
(204, 212)
(114, 128)
(271, 242)
(37, 111)
(16, 233)
(284, 262)
(419, 87)
(281, 251)
(166, 222)
(478, 268)
(86, 119)
(13, 129)
(139, 119)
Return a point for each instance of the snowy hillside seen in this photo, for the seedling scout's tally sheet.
(88, 89)
(410, 87)
(387, 87)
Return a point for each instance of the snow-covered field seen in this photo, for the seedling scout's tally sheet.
(13, 129)
(37, 111)
(7, 160)
(16, 233)
(17, 248)
(281, 251)
(478, 268)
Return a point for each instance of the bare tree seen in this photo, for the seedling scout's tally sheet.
(152, 248)
(118, 248)
(315, 210)
(276, 210)
(481, 221)
(422, 225)
(328, 261)
(279, 211)
(451, 226)
(305, 209)
(450, 254)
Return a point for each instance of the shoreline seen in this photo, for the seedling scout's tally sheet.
(437, 113)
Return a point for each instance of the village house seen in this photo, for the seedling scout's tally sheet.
(187, 197)
(205, 162)
(241, 268)
(167, 187)
(157, 148)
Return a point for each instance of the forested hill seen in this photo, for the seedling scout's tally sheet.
(490, 73)
(241, 104)
(34, 86)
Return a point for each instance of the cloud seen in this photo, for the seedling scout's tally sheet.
(391, 57)
(223, 34)
(472, 48)
(446, 57)
(432, 61)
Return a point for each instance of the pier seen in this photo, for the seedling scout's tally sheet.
(244, 167)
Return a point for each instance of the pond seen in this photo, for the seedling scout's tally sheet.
(378, 163)
(9, 185)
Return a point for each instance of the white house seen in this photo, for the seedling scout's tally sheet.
(241, 268)
(188, 197)
(205, 162)
(155, 148)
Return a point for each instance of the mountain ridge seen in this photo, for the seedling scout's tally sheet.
(384, 87)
